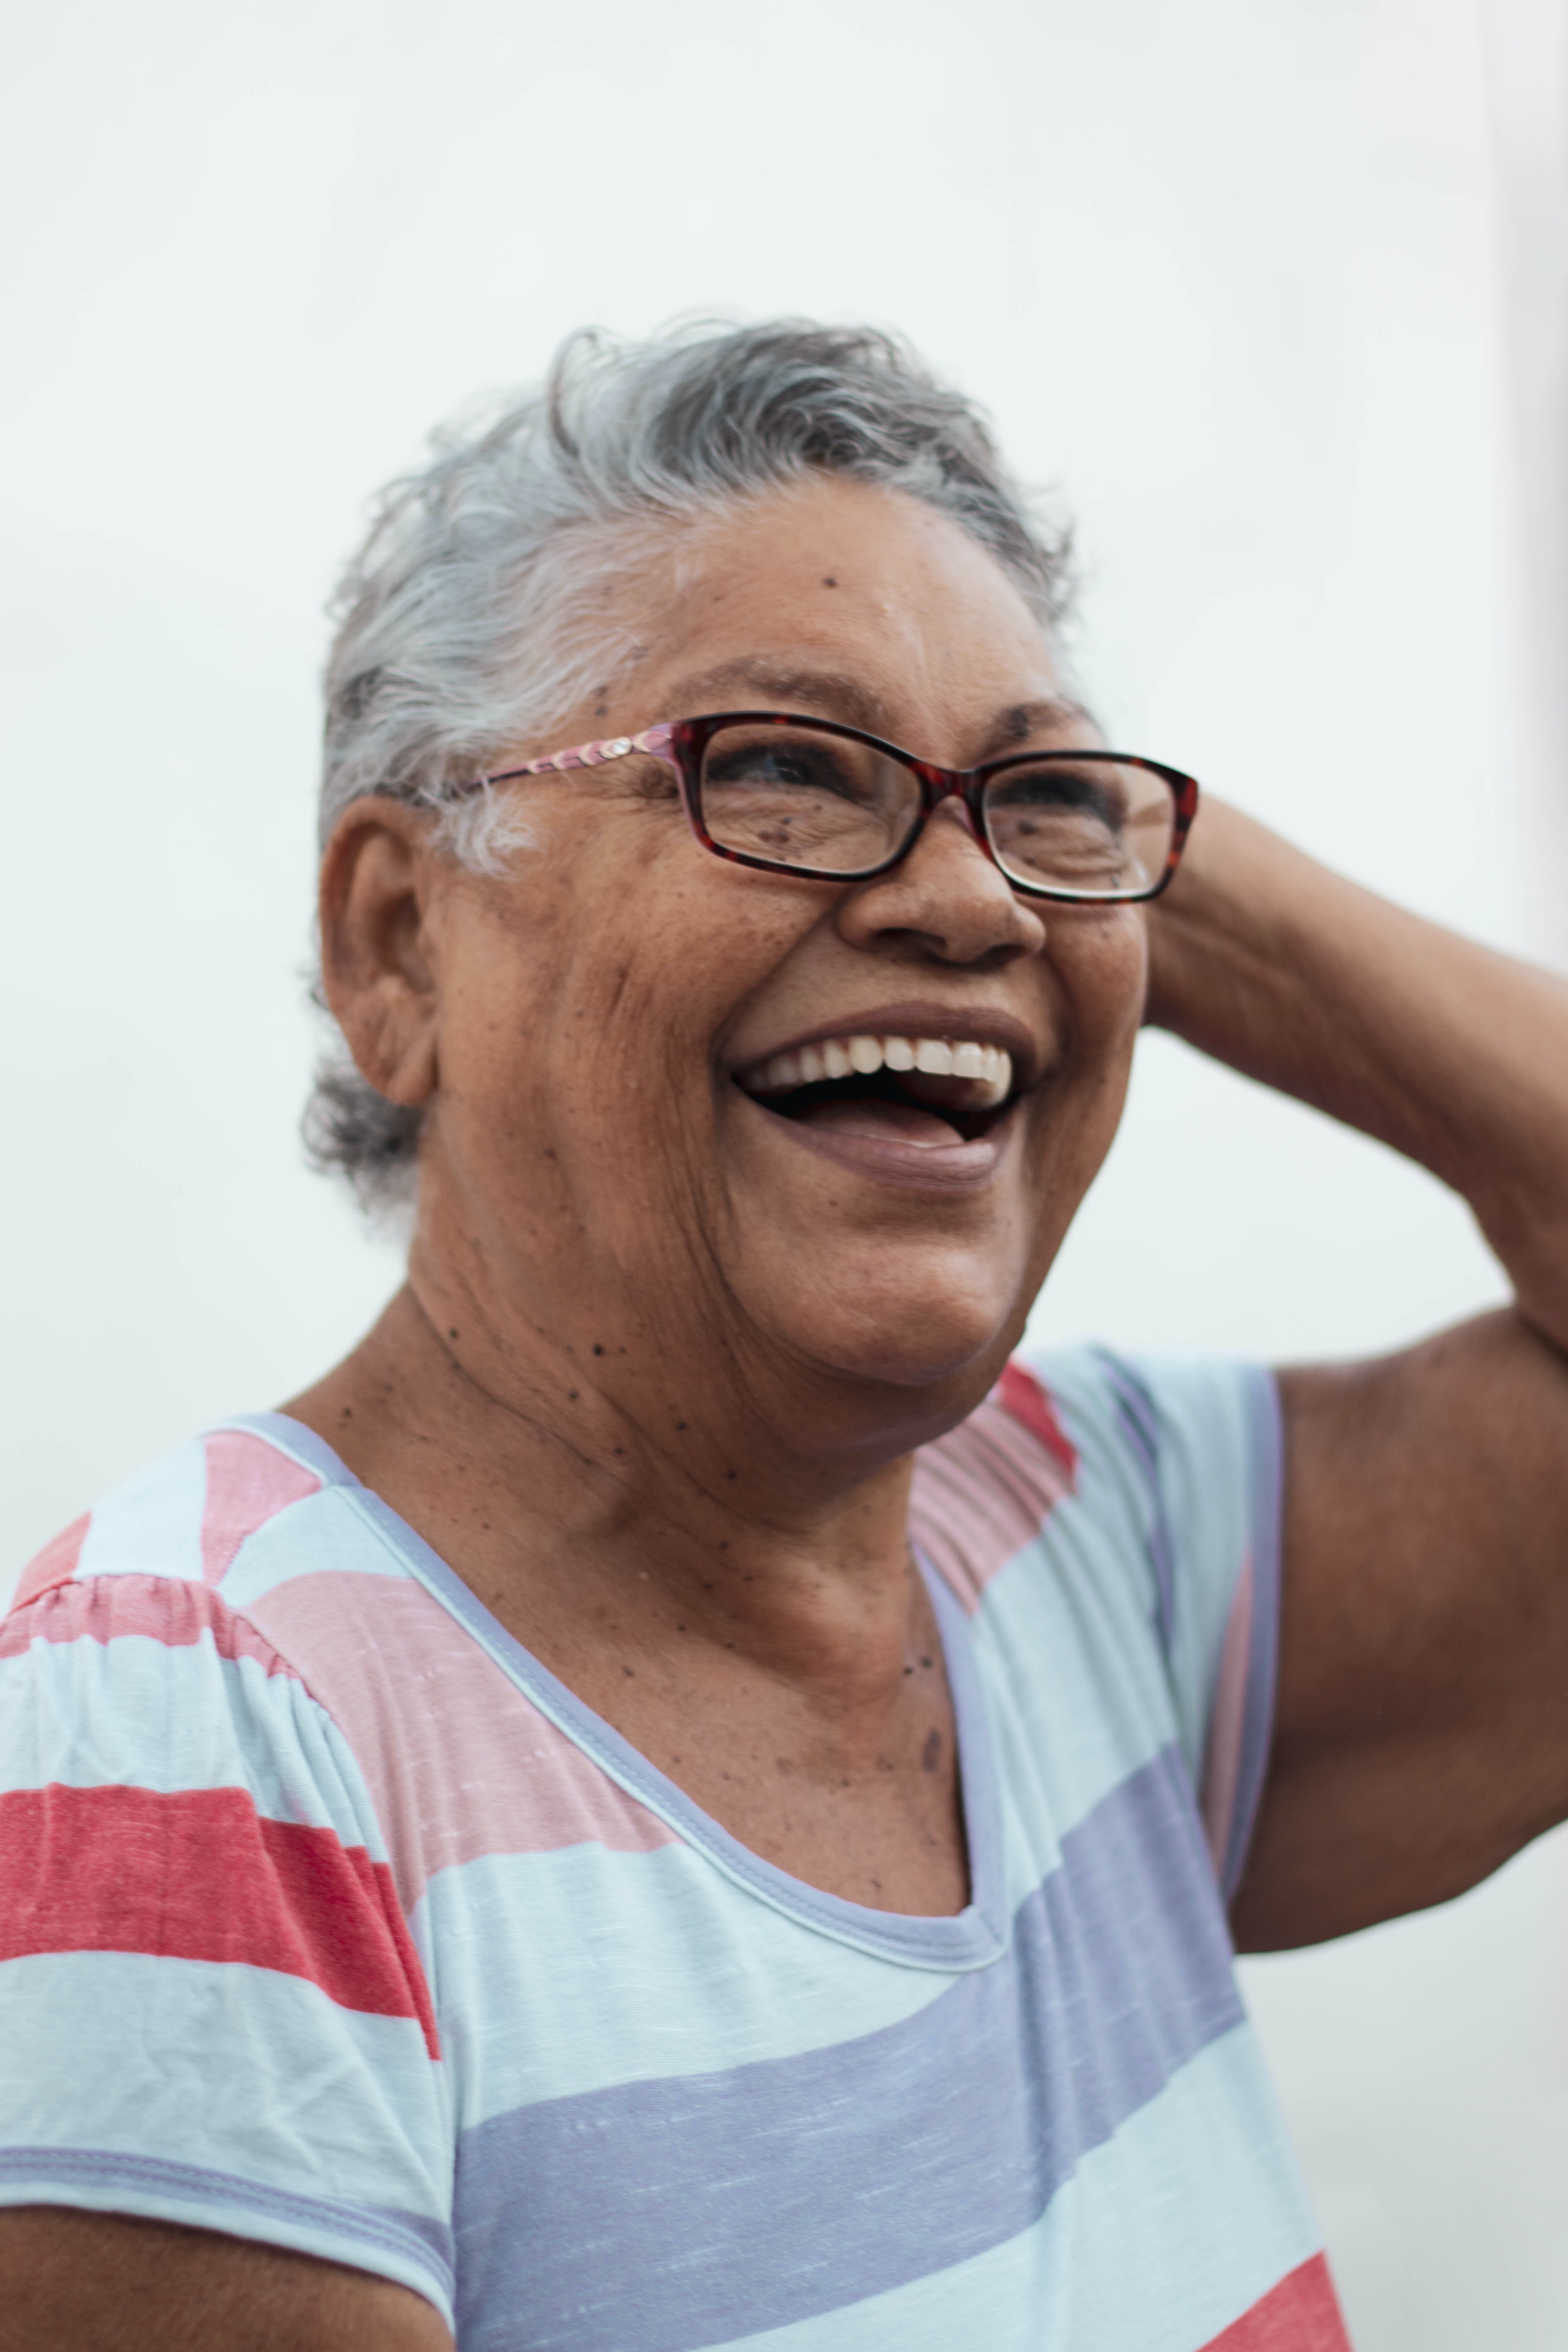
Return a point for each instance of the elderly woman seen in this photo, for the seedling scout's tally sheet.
(677, 1798)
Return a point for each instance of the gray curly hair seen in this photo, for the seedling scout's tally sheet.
(472, 619)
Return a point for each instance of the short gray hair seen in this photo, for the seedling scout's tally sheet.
(471, 620)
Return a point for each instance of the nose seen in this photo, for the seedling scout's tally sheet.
(946, 899)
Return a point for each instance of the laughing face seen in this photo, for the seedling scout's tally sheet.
(818, 1141)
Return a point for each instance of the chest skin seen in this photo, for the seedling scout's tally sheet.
(864, 1803)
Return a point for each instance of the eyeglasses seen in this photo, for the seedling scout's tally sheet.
(808, 796)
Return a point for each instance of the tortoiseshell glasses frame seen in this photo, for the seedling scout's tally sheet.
(1055, 823)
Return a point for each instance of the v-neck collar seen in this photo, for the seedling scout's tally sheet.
(967, 1939)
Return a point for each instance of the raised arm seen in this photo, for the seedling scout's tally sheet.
(1422, 1732)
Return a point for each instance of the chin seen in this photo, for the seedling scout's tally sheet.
(946, 1344)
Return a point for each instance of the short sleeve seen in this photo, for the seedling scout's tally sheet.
(211, 2007)
(1190, 1449)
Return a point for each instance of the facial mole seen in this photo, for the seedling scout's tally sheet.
(829, 581)
(597, 1349)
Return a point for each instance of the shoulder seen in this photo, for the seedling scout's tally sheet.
(1124, 1442)
(244, 1610)
(143, 1629)
(185, 1629)
(201, 1536)
(1111, 1526)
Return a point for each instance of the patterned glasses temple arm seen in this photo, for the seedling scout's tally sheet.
(655, 740)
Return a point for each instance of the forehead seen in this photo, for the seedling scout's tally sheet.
(860, 602)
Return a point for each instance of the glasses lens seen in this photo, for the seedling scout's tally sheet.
(798, 798)
(1089, 827)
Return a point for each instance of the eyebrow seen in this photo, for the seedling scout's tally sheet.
(833, 692)
(836, 695)
(1045, 714)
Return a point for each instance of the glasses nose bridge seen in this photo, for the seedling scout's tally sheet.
(941, 784)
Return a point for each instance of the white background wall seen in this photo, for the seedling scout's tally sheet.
(1254, 282)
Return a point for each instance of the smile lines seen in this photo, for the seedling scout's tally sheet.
(989, 1068)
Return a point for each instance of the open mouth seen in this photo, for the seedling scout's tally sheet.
(930, 1091)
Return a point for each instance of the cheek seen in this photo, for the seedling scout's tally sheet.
(1101, 960)
(584, 994)
(1102, 955)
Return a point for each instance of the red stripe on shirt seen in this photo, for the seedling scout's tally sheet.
(201, 1875)
(1301, 2314)
(1020, 1394)
(168, 1609)
(56, 1564)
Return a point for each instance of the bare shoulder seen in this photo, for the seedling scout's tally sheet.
(1421, 1737)
(77, 2282)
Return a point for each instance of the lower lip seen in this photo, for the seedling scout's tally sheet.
(940, 1169)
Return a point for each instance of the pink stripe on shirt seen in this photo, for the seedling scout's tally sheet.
(56, 1564)
(249, 1483)
(458, 1760)
(168, 1609)
(982, 1495)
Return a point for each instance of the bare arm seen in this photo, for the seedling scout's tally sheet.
(1422, 1732)
(75, 2282)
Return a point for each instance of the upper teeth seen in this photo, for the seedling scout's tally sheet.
(988, 1067)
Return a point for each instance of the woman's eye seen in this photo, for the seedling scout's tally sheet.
(795, 768)
(779, 770)
(767, 768)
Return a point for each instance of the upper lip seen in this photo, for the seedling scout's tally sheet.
(983, 1025)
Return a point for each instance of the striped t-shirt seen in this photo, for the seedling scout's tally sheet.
(329, 1917)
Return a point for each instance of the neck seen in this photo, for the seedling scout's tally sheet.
(573, 1491)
